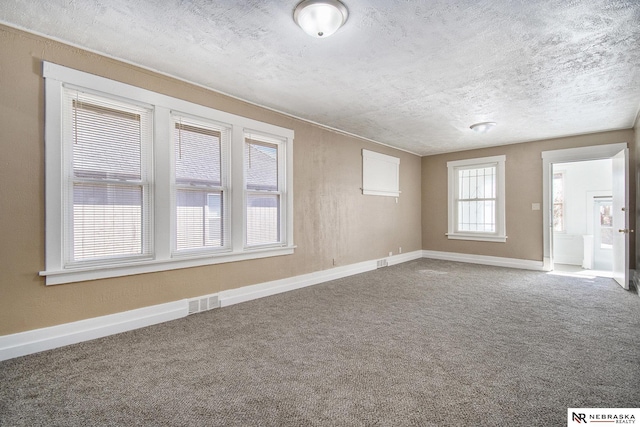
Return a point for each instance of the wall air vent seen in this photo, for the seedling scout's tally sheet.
(203, 303)
(194, 307)
(382, 263)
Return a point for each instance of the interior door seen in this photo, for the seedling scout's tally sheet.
(620, 218)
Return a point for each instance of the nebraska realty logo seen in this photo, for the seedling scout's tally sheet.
(580, 416)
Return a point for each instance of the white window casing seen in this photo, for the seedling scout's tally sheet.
(194, 218)
(476, 199)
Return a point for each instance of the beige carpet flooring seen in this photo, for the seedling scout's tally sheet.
(425, 343)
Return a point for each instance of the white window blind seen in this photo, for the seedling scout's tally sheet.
(200, 194)
(263, 190)
(107, 197)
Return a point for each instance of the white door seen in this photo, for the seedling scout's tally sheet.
(620, 218)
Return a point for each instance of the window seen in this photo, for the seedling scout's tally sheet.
(108, 187)
(263, 186)
(200, 193)
(139, 182)
(605, 209)
(476, 199)
(558, 202)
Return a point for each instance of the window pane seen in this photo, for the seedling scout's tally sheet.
(606, 222)
(463, 184)
(197, 154)
(476, 205)
(107, 221)
(477, 183)
(558, 201)
(490, 183)
(263, 219)
(473, 184)
(199, 201)
(606, 217)
(558, 187)
(105, 141)
(263, 197)
(199, 219)
(477, 216)
(261, 165)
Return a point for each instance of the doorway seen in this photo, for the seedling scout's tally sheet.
(574, 232)
(580, 190)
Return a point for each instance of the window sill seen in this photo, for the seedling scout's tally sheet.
(476, 237)
(118, 270)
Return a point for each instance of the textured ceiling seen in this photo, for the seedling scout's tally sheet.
(410, 74)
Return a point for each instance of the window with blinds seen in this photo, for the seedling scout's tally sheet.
(263, 190)
(139, 182)
(200, 195)
(107, 196)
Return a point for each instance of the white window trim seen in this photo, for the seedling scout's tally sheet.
(500, 235)
(55, 270)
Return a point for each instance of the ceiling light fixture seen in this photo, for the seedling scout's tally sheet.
(320, 18)
(483, 127)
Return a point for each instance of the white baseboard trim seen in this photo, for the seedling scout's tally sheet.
(523, 264)
(37, 340)
(400, 258)
(247, 293)
(34, 341)
(569, 261)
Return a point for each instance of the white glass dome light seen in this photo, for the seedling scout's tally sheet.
(483, 127)
(320, 18)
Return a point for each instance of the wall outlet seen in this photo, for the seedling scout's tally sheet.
(390, 253)
(535, 206)
(400, 250)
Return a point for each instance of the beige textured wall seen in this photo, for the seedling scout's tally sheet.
(523, 175)
(332, 219)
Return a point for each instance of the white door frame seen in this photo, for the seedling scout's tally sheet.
(594, 152)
